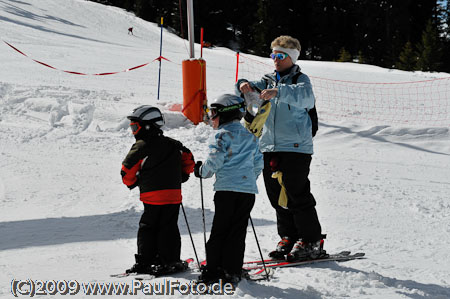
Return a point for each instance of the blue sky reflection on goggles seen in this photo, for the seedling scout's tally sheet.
(279, 56)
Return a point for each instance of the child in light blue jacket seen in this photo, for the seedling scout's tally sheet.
(235, 159)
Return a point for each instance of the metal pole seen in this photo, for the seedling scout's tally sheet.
(259, 248)
(190, 17)
(203, 213)
(160, 56)
(190, 235)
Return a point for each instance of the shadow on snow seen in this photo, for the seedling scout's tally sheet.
(120, 225)
(371, 134)
(426, 290)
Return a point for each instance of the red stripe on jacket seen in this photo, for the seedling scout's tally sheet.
(162, 197)
(130, 177)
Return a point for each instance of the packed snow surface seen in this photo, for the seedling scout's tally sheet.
(381, 189)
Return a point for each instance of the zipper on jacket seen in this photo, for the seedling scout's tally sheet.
(275, 116)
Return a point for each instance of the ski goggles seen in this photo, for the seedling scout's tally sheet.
(279, 56)
(135, 127)
(213, 112)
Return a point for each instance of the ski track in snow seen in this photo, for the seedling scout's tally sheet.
(65, 213)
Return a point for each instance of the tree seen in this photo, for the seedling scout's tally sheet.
(262, 27)
(144, 10)
(128, 5)
(446, 37)
(407, 60)
(377, 31)
(344, 56)
(360, 57)
(430, 49)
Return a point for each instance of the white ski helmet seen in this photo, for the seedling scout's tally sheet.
(228, 107)
(147, 116)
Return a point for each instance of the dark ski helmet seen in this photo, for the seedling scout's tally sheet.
(229, 107)
(145, 116)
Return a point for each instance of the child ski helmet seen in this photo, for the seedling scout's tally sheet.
(145, 116)
(229, 107)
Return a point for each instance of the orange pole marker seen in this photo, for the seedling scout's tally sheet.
(194, 89)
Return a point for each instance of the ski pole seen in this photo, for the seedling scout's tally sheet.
(259, 248)
(160, 56)
(190, 235)
(203, 213)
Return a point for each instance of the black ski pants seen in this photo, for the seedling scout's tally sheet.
(300, 219)
(226, 245)
(158, 237)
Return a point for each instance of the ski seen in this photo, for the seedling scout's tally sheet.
(203, 263)
(272, 261)
(268, 261)
(259, 274)
(137, 276)
(148, 276)
(339, 257)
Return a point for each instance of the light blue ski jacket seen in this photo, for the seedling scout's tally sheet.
(288, 126)
(234, 158)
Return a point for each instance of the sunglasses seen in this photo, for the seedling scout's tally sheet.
(135, 127)
(279, 56)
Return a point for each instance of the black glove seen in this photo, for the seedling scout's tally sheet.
(184, 177)
(197, 167)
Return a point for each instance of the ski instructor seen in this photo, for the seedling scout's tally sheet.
(285, 130)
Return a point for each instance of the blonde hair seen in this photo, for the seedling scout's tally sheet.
(286, 41)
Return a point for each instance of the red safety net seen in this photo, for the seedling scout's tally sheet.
(425, 102)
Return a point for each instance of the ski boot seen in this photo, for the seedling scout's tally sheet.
(140, 266)
(284, 247)
(210, 276)
(175, 267)
(303, 251)
(233, 278)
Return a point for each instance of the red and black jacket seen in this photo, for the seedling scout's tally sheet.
(158, 165)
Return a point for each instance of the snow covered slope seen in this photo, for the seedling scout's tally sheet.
(65, 215)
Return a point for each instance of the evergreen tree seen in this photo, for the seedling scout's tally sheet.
(144, 9)
(241, 17)
(408, 58)
(429, 50)
(262, 27)
(377, 30)
(446, 37)
(344, 56)
(212, 15)
(360, 57)
(128, 5)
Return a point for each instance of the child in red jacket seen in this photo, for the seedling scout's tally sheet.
(158, 165)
